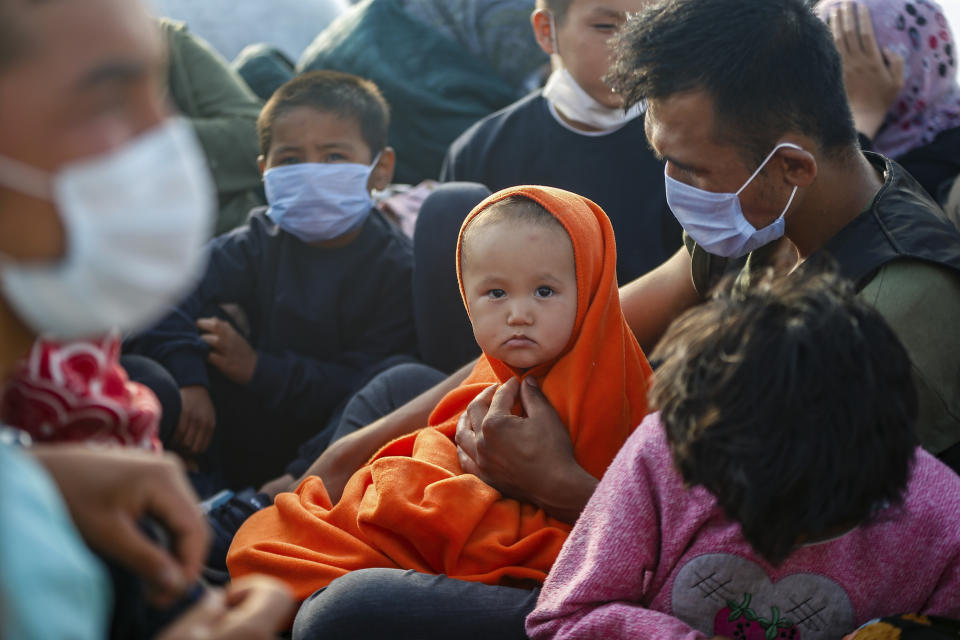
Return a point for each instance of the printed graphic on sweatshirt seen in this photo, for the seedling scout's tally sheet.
(726, 595)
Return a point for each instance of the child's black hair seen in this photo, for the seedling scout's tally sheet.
(792, 402)
(346, 95)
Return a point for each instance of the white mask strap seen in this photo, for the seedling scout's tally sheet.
(782, 145)
(23, 178)
(553, 34)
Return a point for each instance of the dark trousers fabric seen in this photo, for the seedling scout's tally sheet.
(444, 335)
(407, 605)
(386, 391)
(152, 375)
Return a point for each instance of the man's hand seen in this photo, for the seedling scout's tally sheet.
(529, 458)
(108, 491)
(252, 608)
(197, 420)
(873, 79)
(229, 351)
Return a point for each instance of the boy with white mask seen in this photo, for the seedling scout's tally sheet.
(574, 134)
(322, 279)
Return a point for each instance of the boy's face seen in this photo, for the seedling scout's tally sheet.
(304, 134)
(520, 283)
(582, 39)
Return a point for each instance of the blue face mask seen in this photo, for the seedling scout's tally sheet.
(715, 220)
(319, 201)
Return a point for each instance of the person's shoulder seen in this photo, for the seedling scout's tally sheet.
(906, 282)
(528, 109)
(933, 494)
(647, 445)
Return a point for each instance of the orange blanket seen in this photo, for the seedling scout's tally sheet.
(412, 507)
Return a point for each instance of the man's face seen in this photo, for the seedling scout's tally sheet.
(89, 80)
(681, 131)
(583, 42)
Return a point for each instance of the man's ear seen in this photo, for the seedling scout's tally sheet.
(260, 164)
(543, 30)
(382, 174)
(799, 165)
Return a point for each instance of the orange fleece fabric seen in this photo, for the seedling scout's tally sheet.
(412, 507)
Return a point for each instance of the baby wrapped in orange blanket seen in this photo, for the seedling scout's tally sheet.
(537, 270)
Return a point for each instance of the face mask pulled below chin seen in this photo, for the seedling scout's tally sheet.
(319, 201)
(569, 98)
(136, 222)
(715, 220)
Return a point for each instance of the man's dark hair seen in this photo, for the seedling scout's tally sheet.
(345, 95)
(769, 66)
(792, 402)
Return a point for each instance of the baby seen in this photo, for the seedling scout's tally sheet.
(537, 268)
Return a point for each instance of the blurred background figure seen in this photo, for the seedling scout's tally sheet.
(229, 25)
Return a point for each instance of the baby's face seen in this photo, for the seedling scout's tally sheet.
(521, 289)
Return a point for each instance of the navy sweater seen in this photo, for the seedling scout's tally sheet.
(319, 318)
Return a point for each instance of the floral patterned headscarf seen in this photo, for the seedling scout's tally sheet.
(929, 101)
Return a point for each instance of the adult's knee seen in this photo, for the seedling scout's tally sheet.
(152, 375)
(352, 606)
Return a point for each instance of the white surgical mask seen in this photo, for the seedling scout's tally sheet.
(569, 98)
(715, 220)
(136, 221)
(318, 201)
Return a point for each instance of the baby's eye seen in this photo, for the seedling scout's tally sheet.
(496, 293)
(606, 27)
(544, 292)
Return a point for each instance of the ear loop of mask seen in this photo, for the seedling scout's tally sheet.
(782, 145)
(25, 179)
(553, 34)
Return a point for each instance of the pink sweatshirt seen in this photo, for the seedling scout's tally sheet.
(650, 559)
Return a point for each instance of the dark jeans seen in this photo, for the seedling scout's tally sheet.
(151, 373)
(387, 390)
(407, 605)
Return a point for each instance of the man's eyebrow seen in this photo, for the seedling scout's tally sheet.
(110, 73)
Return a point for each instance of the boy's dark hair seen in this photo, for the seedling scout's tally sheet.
(769, 67)
(792, 402)
(346, 95)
